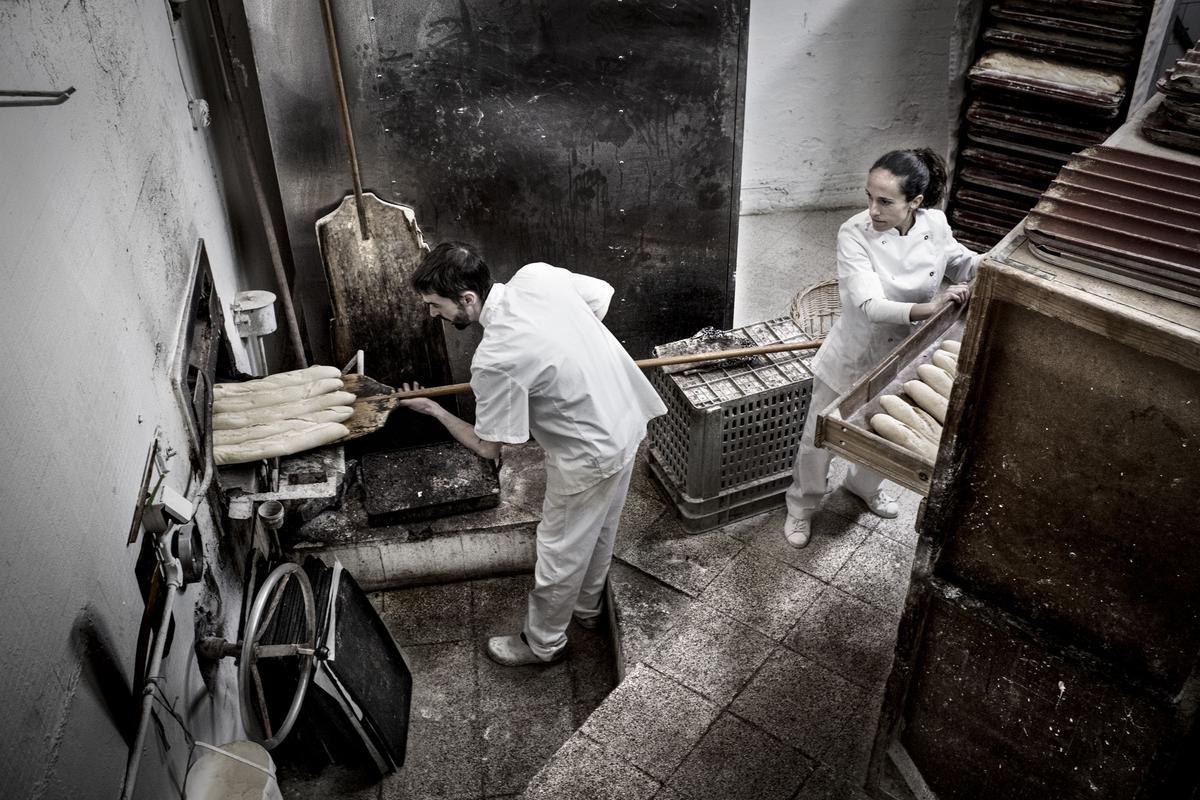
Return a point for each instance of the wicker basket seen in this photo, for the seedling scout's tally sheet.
(815, 309)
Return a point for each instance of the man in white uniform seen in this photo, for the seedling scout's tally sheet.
(547, 368)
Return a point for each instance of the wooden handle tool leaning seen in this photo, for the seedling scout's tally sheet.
(377, 400)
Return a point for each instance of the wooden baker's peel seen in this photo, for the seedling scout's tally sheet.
(376, 401)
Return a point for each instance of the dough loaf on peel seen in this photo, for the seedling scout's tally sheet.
(307, 375)
(280, 444)
(265, 429)
(276, 396)
(255, 416)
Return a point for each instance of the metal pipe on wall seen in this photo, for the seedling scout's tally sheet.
(234, 97)
(173, 572)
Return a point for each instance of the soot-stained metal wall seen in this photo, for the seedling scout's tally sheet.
(599, 136)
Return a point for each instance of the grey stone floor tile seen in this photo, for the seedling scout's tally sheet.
(504, 688)
(841, 502)
(846, 635)
(878, 573)
(766, 594)
(334, 781)
(425, 614)
(799, 702)
(498, 604)
(444, 682)
(834, 540)
(651, 721)
(644, 504)
(825, 784)
(737, 761)
(711, 654)
(688, 562)
(849, 753)
(667, 793)
(517, 743)
(591, 663)
(902, 529)
(646, 610)
(444, 760)
(583, 770)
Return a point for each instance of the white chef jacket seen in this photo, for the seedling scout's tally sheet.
(548, 367)
(880, 277)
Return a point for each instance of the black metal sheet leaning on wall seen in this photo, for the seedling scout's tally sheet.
(603, 137)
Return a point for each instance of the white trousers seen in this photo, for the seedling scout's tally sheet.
(574, 549)
(810, 470)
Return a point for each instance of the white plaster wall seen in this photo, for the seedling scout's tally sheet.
(833, 84)
(103, 201)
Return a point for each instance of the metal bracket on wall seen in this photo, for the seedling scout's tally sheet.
(35, 98)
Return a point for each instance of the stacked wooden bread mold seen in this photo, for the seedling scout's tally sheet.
(279, 415)
(915, 421)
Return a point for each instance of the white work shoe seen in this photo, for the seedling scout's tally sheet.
(513, 651)
(588, 623)
(882, 505)
(797, 531)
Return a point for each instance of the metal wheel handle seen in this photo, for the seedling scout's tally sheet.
(267, 600)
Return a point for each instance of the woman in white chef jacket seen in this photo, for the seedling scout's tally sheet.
(891, 260)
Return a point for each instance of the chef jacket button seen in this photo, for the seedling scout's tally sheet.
(927, 237)
(931, 274)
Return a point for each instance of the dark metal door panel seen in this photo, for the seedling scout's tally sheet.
(603, 137)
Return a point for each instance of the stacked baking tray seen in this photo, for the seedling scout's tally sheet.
(1128, 217)
(1176, 121)
(1052, 79)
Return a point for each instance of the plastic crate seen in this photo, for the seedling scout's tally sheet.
(696, 516)
(727, 428)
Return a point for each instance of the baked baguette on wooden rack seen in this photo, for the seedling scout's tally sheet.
(945, 360)
(915, 418)
(937, 378)
(927, 398)
(896, 431)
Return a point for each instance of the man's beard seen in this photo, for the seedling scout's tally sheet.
(461, 320)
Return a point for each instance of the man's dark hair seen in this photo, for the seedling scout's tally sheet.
(450, 269)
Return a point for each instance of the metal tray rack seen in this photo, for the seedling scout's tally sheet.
(1176, 123)
(1023, 122)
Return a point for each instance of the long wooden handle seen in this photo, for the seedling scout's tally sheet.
(645, 363)
(335, 62)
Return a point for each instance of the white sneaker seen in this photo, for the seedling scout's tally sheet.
(882, 505)
(797, 531)
(513, 651)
